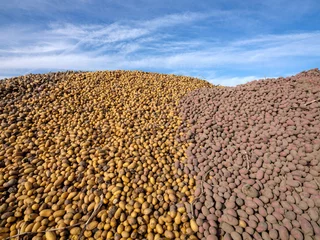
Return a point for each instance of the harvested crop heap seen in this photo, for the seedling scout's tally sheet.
(255, 153)
(133, 155)
(91, 154)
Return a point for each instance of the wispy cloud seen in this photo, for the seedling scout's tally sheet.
(154, 44)
(174, 19)
(38, 48)
(59, 43)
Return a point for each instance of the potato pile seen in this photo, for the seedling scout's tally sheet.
(134, 155)
(91, 156)
(255, 153)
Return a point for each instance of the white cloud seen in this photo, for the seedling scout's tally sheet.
(141, 45)
(39, 48)
(70, 37)
(275, 39)
(174, 19)
(233, 81)
(70, 30)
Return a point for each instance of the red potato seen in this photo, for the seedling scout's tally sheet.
(264, 199)
(227, 227)
(314, 214)
(296, 209)
(293, 183)
(316, 227)
(230, 220)
(251, 204)
(297, 234)
(252, 224)
(272, 219)
(316, 199)
(258, 201)
(262, 211)
(305, 226)
(227, 236)
(310, 203)
(290, 215)
(242, 213)
(212, 237)
(287, 224)
(236, 236)
(273, 233)
(246, 236)
(283, 233)
(310, 190)
(265, 236)
(256, 235)
(262, 226)
(231, 212)
(310, 185)
(286, 205)
(260, 174)
(290, 199)
(303, 205)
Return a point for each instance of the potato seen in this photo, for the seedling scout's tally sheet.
(262, 226)
(236, 236)
(273, 233)
(297, 234)
(306, 226)
(50, 236)
(227, 227)
(316, 227)
(283, 233)
(230, 220)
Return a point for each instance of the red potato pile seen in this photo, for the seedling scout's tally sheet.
(255, 153)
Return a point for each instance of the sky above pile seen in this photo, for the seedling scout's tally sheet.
(226, 42)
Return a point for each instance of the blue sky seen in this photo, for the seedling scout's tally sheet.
(226, 42)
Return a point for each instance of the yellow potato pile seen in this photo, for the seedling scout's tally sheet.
(91, 155)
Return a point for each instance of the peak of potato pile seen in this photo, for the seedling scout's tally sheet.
(135, 155)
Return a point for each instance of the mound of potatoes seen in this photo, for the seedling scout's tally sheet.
(88, 155)
(135, 155)
(255, 152)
